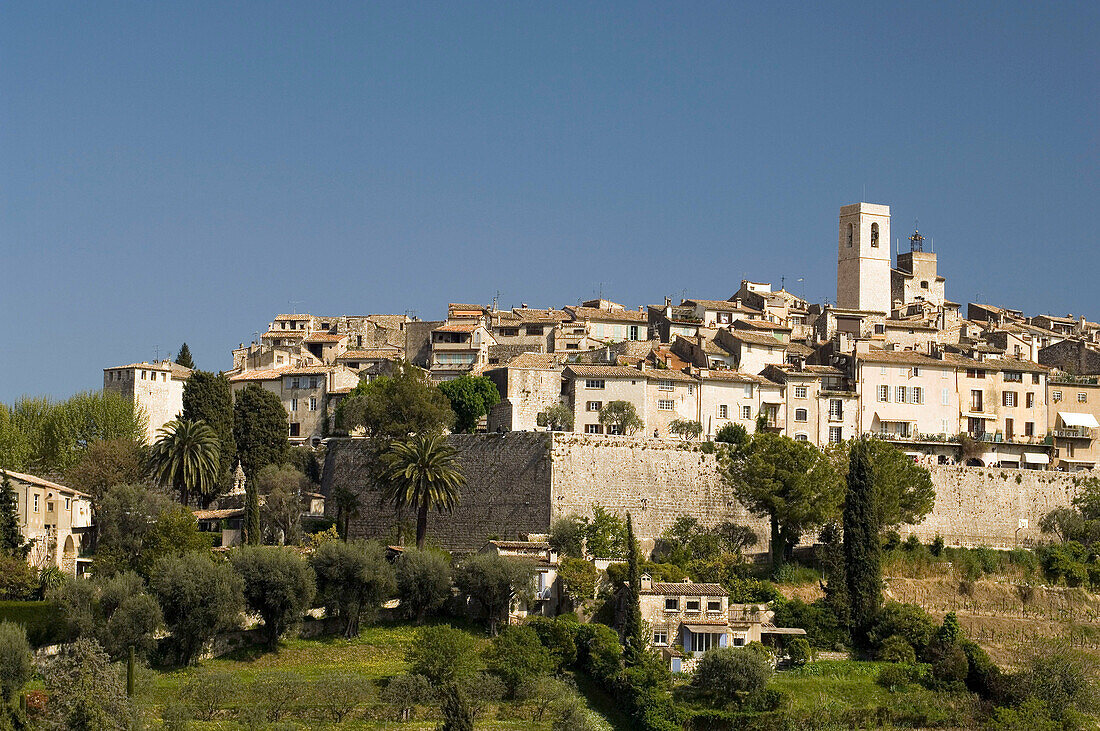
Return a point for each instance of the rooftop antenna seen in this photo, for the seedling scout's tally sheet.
(863, 198)
(496, 298)
(294, 306)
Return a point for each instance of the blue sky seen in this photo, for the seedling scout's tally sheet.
(184, 171)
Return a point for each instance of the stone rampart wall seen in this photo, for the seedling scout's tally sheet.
(990, 506)
(507, 492)
(517, 482)
(656, 480)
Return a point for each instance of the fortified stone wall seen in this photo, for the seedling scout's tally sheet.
(507, 492)
(990, 506)
(517, 482)
(656, 480)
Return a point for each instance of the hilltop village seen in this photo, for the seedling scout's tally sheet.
(892, 357)
(671, 510)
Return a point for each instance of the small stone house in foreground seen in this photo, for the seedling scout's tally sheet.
(687, 619)
(55, 519)
(546, 594)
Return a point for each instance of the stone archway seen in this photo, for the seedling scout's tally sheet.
(68, 556)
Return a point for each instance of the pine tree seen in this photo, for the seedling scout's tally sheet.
(184, 357)
(11, 540)
(633, 639)
(861, 545)
(251, 514)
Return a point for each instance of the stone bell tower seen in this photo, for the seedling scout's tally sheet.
(863, 258)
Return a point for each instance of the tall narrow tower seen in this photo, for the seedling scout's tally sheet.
(863, 258)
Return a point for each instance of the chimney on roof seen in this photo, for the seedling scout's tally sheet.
(523, 305)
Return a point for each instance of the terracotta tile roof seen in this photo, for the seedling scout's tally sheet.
(218, 514)
(756, 338)
(905, 357)
(293, 317)
(260, 374)
(457, 327)
(723, 306)
(759, 325)
(594, 313)
(285, 334)
(603, 371)
(542, 361)
(1008, 364)
(799, 349)
(385, 353)
(737, 376)
(667, 374)
(40, 482)
(309, 370)
(325, 338)
(686, 589)
(519, 545)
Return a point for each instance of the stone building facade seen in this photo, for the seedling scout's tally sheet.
(157, 388)
(55, 519)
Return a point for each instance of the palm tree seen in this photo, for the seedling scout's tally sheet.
(185, 457)
(421, 473)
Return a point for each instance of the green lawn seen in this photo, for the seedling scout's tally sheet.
(845, 692)
(377, 654)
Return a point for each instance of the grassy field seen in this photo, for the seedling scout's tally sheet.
(831, 691)
(376, 655)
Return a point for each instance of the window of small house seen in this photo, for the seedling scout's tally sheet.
(660, 637)
(672, 604)
(714, 605)
(693, 605)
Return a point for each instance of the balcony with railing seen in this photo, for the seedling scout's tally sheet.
(1074, 432)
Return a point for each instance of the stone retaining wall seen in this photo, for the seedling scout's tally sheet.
(518, 482)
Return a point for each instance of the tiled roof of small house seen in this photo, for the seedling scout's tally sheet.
(40, 482)
(520, 545)
(370, 354)
(723, 374)
(686, 589)
(259, 374)
(218, 514)
(722, 306)
(755, 338)
(667, 374)
(321, 337)
(603, 371)
(545, 361)
(457, 327)
(595, 313)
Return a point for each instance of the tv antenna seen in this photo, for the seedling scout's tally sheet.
(294, 306)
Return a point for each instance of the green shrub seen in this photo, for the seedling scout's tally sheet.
(908, 621)
(442, 654)
(895, 676)
(516, 655)
(15, 662)
(729, 674)
(799, 652)
(558, 636)
(896, 649)
(41, 619)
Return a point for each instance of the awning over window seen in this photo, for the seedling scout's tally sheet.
(1070, 418)
(1036, 458)
(702, 628)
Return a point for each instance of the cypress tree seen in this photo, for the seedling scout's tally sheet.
(251, 514)
(861, 545)
(207, 397)
(633, 640)
(11, 539)
(184, 357)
